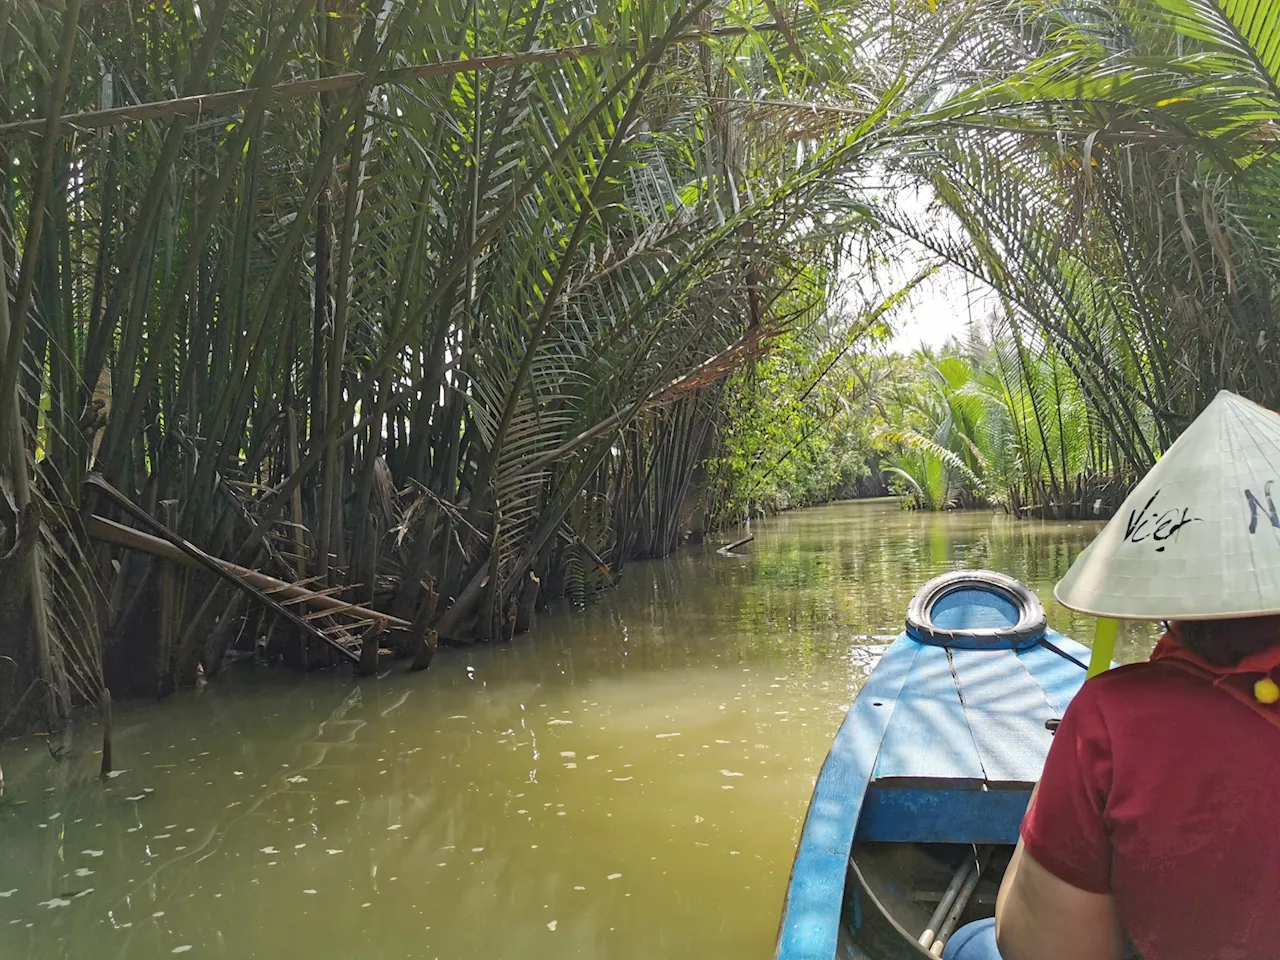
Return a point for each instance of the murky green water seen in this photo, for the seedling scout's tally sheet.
(627, 781)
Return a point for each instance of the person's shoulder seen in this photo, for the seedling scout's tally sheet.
(1128, 674)
(1132, 683)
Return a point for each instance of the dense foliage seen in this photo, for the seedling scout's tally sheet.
(989, 423)
(1111, 177)
(409, 303)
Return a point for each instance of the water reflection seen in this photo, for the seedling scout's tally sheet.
(626, 782)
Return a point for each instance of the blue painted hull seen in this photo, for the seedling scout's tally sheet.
(939, 753)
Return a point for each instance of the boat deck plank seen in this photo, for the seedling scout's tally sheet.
(929, 734)
(1059, 677)
(1006, 709)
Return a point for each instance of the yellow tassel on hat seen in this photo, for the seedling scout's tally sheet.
(1266, 691)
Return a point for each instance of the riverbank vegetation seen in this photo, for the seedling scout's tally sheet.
(428, 313)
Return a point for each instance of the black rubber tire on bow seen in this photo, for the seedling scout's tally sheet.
(1029, 629)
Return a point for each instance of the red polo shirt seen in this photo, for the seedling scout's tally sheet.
(1165, 793)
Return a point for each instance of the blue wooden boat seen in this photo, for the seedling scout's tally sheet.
(918, 805)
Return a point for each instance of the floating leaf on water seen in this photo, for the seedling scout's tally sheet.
(181, 949)
(332, 852)
(613, 876)
(141, 796)
(269, 850)
(54, 902)
(568, 753)
(552, 925)
(663, 736)
(80, 872)
(308, 891)
(729, 773)
(92, 853)
(8, 893)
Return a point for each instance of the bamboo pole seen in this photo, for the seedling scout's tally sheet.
(944, 905)
(952, 920)
(299, 89)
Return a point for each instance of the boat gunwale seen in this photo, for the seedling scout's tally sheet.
(813, 850)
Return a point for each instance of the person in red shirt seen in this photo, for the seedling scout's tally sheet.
(1154, 827)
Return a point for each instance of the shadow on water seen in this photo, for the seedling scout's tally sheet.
(626, 782)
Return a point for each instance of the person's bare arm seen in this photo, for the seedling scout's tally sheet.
(1039, 917)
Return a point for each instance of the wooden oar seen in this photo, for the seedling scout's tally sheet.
(961, 901)
(948, 898)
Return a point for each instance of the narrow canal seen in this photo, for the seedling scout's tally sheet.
(627, 781)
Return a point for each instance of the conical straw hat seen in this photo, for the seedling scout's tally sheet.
(1199, 537)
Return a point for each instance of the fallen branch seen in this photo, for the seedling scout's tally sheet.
(109, 531)
(725, 551)
(209, 563)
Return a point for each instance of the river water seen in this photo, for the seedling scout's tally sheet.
(627, 781)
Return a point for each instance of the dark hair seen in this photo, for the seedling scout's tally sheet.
(1224, 643)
